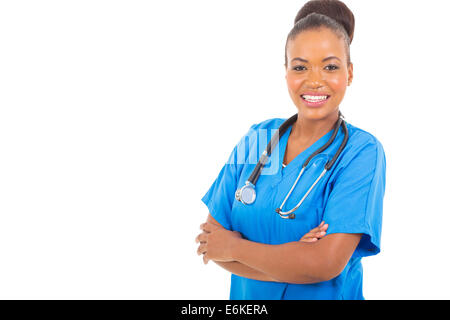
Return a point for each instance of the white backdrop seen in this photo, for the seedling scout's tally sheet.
(116, 117)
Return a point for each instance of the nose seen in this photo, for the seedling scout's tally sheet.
(314, 79)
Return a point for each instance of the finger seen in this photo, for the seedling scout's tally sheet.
(319, 234)
(308, 235)
(313, 235)
(324, 227)
(309, 240)
(205, 259)
(320, 225)
(317, 229)
(202, 237)
(201, 249)
(208, 227)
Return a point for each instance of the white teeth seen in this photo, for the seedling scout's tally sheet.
(314, 98)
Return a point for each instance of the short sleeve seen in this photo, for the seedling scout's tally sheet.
(355, 204)
(220, 196)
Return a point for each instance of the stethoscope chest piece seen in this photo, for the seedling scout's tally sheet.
(246, 194)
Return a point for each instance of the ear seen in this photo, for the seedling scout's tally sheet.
(350, 73)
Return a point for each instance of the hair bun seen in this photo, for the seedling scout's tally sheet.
(334, 9)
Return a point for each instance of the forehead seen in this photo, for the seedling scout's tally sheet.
(316, 44)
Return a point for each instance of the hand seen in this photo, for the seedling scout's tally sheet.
(315, 234)
(216, 242)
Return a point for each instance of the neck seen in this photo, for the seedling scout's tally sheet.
(306, 130)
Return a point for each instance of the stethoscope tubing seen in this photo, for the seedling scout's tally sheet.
(250, 184)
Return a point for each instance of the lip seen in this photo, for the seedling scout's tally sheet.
(315, 104)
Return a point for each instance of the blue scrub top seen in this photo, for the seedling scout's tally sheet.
(349, 198)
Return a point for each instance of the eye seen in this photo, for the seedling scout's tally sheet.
(331, 67)
(299, 68)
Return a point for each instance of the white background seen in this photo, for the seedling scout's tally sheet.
(116, 117)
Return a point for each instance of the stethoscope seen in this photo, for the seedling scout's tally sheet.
(247, 193)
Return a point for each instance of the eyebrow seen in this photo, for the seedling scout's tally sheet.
(326, 59)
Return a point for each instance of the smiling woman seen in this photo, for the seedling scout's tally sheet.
(317, 74)
(316, 253)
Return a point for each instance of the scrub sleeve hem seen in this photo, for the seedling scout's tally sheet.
(366, 246)
(212, 210)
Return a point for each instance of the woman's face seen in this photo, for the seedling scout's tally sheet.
(317, 73)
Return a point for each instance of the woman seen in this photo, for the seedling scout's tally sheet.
(255, 241)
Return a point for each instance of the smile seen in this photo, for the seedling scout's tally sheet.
(314, 100)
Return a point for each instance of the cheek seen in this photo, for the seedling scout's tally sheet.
(293, 83)
(338, 83)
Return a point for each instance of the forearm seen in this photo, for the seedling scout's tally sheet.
(243, 270)
(293, 262)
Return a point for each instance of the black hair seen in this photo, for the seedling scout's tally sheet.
(331, 14)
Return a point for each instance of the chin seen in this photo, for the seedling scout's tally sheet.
(315, 113)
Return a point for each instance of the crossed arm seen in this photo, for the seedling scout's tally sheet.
(294, 262)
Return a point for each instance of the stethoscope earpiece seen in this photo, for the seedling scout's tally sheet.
(284, 216)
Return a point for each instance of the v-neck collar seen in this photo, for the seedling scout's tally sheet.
(298, 161)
